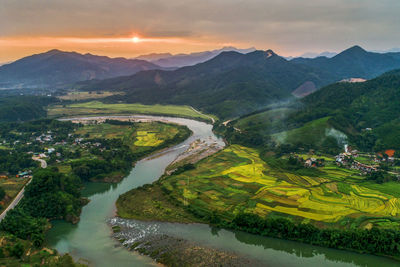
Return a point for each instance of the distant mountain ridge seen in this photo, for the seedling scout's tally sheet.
(167, 60)
(57, 68)
(232, 83)
(229, 84)
(323, 54)
(354, 62)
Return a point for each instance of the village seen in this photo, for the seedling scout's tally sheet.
(45, 148)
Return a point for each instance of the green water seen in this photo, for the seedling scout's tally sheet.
(90, 238)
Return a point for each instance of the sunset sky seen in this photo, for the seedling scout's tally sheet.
(132, 27)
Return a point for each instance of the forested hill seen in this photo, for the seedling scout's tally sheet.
(232, 84)
(354, 62)
(23, 108)
(228, 85)
(371, 108)
(57, 68)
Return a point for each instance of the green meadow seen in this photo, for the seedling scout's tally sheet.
(99, 108)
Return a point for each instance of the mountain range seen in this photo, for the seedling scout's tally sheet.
(354, 62)
(229, 84)
(58, 68)
(168, 60)
(232, 83)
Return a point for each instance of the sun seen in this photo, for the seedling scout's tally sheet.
(135, 39)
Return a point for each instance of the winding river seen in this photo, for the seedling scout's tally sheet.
(91, 240)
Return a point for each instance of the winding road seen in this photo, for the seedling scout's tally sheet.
(20, 195)
(195, 110)
(15, 202)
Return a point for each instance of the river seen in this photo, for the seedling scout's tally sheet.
(91, 240)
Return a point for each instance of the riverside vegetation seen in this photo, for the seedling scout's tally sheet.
(236, 188)
(75, 153)
(252, 185)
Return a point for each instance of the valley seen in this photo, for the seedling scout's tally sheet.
(98, 108)
(240, 147)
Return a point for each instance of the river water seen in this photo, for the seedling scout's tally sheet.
(91, 240)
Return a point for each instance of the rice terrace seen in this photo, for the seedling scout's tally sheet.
(200, 134)
(238, 180)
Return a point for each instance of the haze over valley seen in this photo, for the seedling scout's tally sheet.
(211, 133)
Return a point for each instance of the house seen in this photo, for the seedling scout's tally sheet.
(313, 162)
(363, 167)
(390, 152)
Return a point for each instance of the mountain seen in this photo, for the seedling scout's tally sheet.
(354, 62)
(57, 68)
(368, 112)
(365, 115)
(154, 56)
(229, 84)
(168, 60)
(314, 55)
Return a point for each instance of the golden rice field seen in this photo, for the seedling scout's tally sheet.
(237, 179)
(145, 138)
(139, 136)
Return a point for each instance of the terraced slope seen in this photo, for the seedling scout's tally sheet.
(237, 179)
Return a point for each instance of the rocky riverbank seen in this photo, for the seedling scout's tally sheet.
(149, 239)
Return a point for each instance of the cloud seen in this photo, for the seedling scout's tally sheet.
(284, 25)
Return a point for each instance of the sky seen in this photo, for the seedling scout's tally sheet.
(130, 28)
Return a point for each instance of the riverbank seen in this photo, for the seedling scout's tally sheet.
(234, 188)
(90, 238)
(171, 250)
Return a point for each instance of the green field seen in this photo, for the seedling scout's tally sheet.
(77, 95)
(98, 108)
(140, 137)
(237, 180)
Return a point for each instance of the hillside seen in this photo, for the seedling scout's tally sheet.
(228, 85)
(23, 108)
(57, 68)
(354, 62)
(371, 105)
(368, 113)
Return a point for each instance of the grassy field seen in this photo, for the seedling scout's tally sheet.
(140, 137)
(157, 206)
(260, 121)
(97, 108)
(236, 180)
(77, 95)
(11, 186)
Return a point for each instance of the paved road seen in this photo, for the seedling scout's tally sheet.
(15, 202)
(43, 163)
(20, 195)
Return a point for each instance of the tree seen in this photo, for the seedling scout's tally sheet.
(2, 193)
